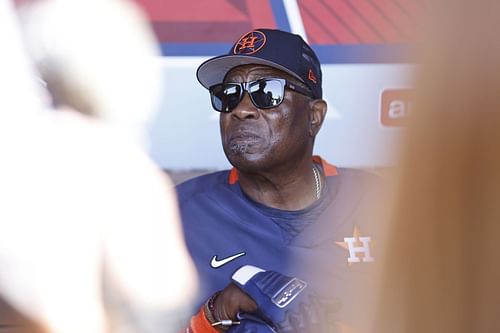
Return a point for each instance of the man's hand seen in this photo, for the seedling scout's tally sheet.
(225, 305)
(230, 301)
(281, 303)
(266, 302)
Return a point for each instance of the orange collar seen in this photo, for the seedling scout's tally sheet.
(328, 169)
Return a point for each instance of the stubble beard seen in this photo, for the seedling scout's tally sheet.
(238, 148)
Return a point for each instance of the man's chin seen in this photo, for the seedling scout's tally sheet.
(244, 150)
(243, 158)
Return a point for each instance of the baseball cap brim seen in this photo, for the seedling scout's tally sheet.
(215, 69)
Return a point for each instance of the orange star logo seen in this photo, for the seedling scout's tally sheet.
(358, 247)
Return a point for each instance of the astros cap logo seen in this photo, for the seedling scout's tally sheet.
(311, 76)
(250, 43)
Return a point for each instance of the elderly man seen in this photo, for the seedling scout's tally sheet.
(276, 238)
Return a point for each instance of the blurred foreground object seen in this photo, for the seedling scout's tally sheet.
(96, 57)
(90, 239)
(442, 262)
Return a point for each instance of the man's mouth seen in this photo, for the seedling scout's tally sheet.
(242, 142)
(244, 138)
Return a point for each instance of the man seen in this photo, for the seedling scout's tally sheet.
(282, 232)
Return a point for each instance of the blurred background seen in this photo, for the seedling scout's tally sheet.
(364, 47)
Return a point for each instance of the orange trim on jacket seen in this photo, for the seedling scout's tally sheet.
(200, 324)
(328, 169)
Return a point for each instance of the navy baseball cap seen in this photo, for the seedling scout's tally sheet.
(275, 48)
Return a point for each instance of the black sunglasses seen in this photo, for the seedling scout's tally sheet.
(264, 93)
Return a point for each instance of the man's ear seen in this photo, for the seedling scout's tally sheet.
(318, 113)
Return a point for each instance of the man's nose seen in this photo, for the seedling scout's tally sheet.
(245, 109)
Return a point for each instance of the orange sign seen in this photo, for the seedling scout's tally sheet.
(395, 106)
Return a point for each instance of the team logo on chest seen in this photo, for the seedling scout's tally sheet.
(358, 247)
(216, 262)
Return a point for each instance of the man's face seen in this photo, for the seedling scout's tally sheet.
(262, 139)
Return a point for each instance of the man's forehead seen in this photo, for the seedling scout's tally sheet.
(254, 71)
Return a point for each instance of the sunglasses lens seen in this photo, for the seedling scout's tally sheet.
(225, 96)
(267, 93)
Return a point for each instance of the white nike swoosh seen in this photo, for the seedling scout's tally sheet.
(215, 263)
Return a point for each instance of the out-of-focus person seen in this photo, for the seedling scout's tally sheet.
(442, 270)
(96, 57)
(90, 239)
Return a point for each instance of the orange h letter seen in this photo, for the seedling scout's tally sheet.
(248, 42)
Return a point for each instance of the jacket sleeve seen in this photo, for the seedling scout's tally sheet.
(200, 324)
